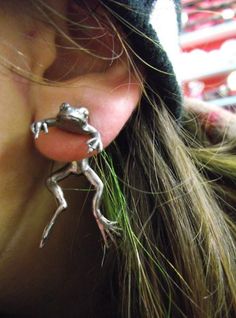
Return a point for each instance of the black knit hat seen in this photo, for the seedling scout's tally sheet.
(138, 21)
(160, 76)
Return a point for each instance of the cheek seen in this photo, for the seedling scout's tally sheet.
(15, 115)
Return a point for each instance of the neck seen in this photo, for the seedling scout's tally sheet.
(64, 272)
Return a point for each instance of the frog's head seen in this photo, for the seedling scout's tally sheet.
(65, 107)
(84, 112)
(73, 113)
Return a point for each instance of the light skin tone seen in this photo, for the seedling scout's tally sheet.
(33, 278)
(216, 120)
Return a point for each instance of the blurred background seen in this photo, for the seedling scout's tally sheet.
(208, 44)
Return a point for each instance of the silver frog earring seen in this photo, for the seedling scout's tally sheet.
(75, 120)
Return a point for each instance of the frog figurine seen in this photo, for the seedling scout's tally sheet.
(75, 120)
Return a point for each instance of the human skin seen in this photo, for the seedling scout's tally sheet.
(216, 121)
(44, 280)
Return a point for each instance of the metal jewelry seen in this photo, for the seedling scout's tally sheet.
(75, 120)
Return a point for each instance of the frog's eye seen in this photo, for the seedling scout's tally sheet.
(64, 106)
(85, 112)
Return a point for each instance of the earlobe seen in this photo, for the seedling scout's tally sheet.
(110, 98)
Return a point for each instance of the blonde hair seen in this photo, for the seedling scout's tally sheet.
(178, 249)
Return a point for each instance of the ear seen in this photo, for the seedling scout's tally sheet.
(108, 89)
(110, 98)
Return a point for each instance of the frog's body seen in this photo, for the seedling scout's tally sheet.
(75, 120)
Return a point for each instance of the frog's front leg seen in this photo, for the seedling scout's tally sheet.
(42, 125)
(94, 143)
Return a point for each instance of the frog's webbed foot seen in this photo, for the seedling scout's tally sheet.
(95, 144)
(39, 126)
(106, 227)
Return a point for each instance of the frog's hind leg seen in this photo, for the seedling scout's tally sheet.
(52, 183)
(105, 226)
